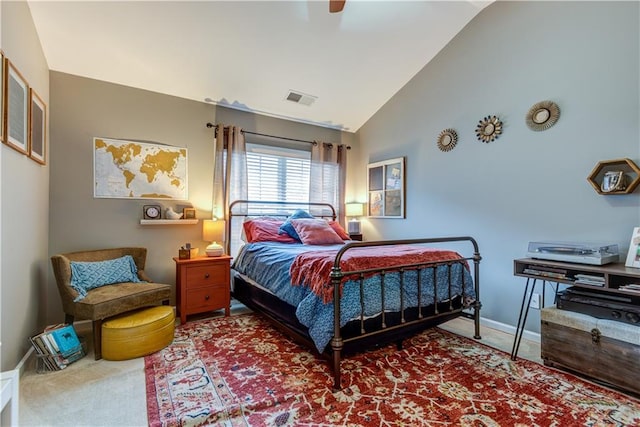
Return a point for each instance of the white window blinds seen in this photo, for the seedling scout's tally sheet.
(277, 173)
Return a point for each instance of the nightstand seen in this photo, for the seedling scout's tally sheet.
(202, 284)
(355, 237)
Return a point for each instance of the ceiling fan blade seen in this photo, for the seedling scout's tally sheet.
(336, 6)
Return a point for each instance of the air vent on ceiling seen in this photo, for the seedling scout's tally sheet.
(300, 98)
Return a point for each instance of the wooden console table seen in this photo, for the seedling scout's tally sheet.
(615, 276)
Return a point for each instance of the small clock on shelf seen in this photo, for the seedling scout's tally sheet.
(151, 211)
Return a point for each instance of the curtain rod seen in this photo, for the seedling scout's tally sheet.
(211, 125)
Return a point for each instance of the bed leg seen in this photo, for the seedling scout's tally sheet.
(336, 346)
(399, 345)
(476, 320)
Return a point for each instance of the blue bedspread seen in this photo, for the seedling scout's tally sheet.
(268, 264)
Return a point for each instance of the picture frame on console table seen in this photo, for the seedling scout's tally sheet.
(633, 256)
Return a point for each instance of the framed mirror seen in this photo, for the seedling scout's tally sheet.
(447, 139)
(543, 115)
(489, 129)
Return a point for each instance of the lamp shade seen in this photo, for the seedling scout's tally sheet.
(212, 230)
(354, 209)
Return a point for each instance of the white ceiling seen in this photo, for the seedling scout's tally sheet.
(249, 54)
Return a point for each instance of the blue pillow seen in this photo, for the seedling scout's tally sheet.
(287, 227)
(90, 275)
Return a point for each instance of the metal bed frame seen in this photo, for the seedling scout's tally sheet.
(390, 327)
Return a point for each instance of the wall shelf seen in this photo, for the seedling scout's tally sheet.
(630, 169)
(168, 221)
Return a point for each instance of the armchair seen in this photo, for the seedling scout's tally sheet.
(109, 300)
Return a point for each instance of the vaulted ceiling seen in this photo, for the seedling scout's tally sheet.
(249, 54)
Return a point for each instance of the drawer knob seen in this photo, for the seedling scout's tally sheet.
(206, 275)
(632, 317)
(206, 297)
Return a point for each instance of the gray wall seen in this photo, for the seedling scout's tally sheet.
(25, 202)
(525, 186)
(83, 108)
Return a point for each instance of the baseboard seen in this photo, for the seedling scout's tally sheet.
(528, 335)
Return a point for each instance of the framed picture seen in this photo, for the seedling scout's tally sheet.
(164, 178)
(188, 213)
(633, 256)
(37, 130)
(385, 186)
(17, 110)
(2, 98)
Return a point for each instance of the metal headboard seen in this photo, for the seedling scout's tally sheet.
(275, 208)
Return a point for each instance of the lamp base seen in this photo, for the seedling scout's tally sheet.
(214, 249)
(353, 227)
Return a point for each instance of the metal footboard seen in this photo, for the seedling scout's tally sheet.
(337, 275)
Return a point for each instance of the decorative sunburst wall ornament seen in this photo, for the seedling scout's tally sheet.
(447, 139)
(489, 129)
(543, 115)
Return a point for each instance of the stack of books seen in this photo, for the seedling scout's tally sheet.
(588, 279)
(57, 347)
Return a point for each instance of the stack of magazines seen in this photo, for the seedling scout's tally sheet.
(588, 279)
(631, 287)
(544, 271)
(57, 347)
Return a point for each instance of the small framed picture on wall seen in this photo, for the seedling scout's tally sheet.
(385, 184)
(17, 110)
(37, 130)
(2, 96)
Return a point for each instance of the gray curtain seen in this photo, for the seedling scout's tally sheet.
(229, 178)
(327, 176)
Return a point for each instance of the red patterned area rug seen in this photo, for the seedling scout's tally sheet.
(240, 371)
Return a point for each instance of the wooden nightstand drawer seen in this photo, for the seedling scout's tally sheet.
(204, 299)
(206, 275)
(202, 284)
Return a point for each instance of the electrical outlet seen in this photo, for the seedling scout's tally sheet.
(535, 301)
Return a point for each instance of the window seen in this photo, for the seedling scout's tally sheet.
(277, 173)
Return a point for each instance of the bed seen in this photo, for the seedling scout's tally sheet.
(388, 290)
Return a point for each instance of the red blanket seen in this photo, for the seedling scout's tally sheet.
(313, 268)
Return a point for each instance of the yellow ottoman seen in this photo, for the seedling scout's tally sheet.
(137, 333)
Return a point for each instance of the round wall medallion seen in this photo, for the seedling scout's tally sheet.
(447, 139)
(543, 115)
(489, 129)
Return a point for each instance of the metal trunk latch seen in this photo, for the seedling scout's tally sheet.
(595, 336)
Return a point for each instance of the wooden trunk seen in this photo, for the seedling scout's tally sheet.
(604, 350)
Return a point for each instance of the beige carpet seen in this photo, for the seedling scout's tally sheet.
(104, 393)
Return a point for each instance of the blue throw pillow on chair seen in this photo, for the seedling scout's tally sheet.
(90, 275)
(287, 227)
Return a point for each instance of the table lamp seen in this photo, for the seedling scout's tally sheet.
(213, 231)
(354, 210)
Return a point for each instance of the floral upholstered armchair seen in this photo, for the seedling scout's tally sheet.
(98, 284)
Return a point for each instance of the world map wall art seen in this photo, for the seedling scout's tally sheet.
(138, 170)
